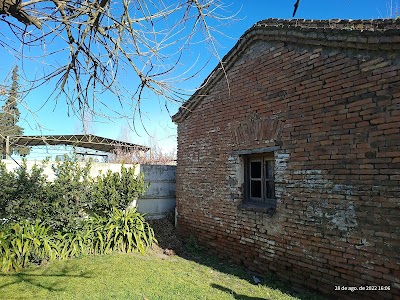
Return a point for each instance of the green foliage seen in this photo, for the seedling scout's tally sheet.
(72, 216)
(122, 231)
(23, 243)
(126, 231)
(9, 117)
(7, 184)
(116, 190)
(23, 194)
(68, 194)
(27, 195)
(61, 204)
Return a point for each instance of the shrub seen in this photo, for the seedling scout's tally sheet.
(27, 195)
(62, 204)
(23, 243)
(68, 195)
(116, 190)
(72, 216)
(23, 194)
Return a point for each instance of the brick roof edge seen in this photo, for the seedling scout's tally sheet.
(375, 35)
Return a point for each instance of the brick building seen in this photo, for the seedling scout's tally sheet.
(289, 158)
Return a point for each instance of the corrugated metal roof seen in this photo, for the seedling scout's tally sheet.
(85, 141)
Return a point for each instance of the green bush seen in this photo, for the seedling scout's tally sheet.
(115, 190)
(68, 194)
(26, 195)
(62, 204)
(72, 216)
(23, 195)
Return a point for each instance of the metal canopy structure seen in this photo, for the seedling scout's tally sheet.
(88, 141)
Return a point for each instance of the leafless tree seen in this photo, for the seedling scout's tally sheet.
(156, 154)
(86, 45)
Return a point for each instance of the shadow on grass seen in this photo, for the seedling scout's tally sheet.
(235, 295)
(33, 279)
(189, 249)
(196, 253)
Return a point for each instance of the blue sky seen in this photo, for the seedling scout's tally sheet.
(54, 119)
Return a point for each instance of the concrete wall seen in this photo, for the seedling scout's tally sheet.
(158, 200)
(95, 170)
(330, 108)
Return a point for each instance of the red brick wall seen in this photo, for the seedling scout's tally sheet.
(335, 114)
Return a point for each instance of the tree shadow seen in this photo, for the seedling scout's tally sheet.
(202, 256)
(233, 293)
(31, 279)
(189, 249)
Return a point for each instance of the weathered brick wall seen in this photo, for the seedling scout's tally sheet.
(335, 113)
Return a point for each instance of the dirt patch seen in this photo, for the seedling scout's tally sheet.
(168, 241)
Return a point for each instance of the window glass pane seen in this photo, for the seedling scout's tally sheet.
(269, 169)
(270, 190)
(255, 189)
(255, 169)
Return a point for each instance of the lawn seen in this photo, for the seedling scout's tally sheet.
(135, 276)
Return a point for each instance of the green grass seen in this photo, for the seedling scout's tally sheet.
(135, 276)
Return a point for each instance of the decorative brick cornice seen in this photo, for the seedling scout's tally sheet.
(370, 35)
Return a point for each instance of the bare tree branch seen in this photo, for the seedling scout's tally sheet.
(88, 46)
(296, 5)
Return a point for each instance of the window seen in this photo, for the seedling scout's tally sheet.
(260, 179)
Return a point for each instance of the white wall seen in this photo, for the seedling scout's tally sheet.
(96, 168)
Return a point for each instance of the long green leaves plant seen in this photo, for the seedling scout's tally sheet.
(23, 243)
(127, 231)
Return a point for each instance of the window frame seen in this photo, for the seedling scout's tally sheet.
(264, 200)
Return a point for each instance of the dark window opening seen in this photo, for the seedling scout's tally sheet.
(255, 189)
(255, 167)
(260, 178)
